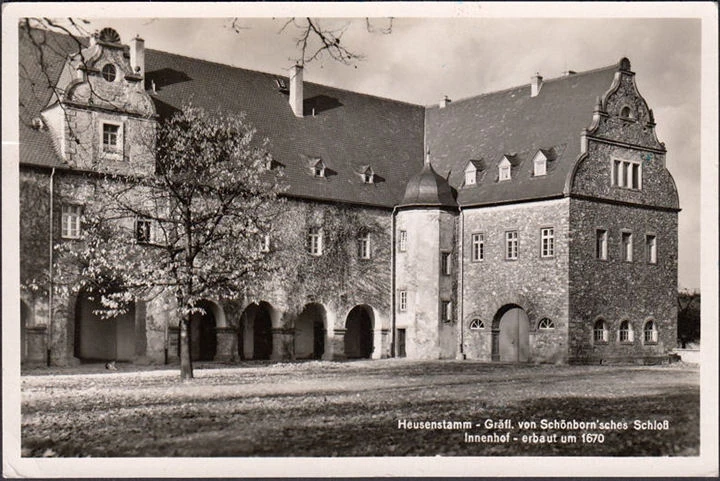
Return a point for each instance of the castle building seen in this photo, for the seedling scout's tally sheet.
(533, 224)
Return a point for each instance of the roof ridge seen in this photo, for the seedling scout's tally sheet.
(324, 86)
(518, 87)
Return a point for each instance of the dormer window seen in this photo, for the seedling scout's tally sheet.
(539, 164)
(318, 168)
(368, 176)
(504, 169)
(109, 73)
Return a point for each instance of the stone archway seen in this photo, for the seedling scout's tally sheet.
(255, 334)
(359, 338)
(98, 339)
(510, 334)
(310, 332)
(203, 338)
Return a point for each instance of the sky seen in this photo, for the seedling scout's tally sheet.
(424, 58)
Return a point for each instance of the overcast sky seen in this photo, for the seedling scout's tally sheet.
(423, 59)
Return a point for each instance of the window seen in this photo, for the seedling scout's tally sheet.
(470, 177)
(599, 332)
(504, 172)
(265, 243)
(315, 241)
(511, 245)
(650, 335)
(368, 176)
(477, 324)
(546, 324)
(627, 246)
(110, 137)
(319, 171)
(446, 261)
(547, 242)
(364, 246)
(478, 247)
(402, 241)
(402, 304)
(627, 174)
(601, 240)
(109, 73)
(70, 221)
(446, 310)
(540, 163)
(651, 249)
(143, 231)
(625, 334)
(626, 113)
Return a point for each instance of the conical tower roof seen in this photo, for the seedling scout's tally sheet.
(427, 188)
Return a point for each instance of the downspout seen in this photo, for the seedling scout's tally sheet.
(461, 287)
(392, 282)
(50, 269)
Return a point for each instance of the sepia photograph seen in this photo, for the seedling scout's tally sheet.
(321, 240)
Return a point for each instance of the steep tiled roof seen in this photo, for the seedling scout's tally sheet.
(511, 122)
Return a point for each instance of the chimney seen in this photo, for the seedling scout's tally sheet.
(535, 85)
(444, 102)
(296, 90)
(137, 56)
(568, 73)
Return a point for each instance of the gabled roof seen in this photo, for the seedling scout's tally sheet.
(492, 125)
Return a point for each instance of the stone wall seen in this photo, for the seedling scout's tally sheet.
(538, 285)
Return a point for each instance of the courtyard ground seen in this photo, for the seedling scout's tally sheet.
(362, 408)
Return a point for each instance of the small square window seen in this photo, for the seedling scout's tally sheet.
(651, 249)
(70, 221)
(110, 137)
(402, 301)
(446, 261)
(478, 247)
(402, 241)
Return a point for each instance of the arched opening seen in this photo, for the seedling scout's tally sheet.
(203, 340)
(99, 339)
(510, 335)
(24, 323)
(359, 333)
(255, 334)
(310, 332)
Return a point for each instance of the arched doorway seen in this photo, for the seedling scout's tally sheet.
(24, 323)
(98, 339)
(510, 336)
(310, 332)
(359, 333)
(255, 334)
(203, 340)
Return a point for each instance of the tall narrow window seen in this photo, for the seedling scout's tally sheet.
(402, 241)
(143, 231)
(265, 243)
(446, 263)
(402, 301)
(625, 333)
(599, 332)
(446, 310)
(651, 248)
(470, 177)
(511, 245)
(627, 246)
(70, 221)
(315, 241)
(601, 241)
(504, 172)
(110, 137)
(650, 333)
(478, 247)
(635, 176)
(364, 246)
(547, 242)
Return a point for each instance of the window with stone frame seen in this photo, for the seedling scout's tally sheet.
(402, 300)
(627, 174)
(402, 241)
(446, 310)
(364, 246)
(477, 247)
(315, 241)
(70, 217)
(627, 246)
(547, 242)
(600, 333)
(511, 245)
(109, 73)
(446, 263)
(601, 243)
(650, 333)
(651, 249)
(477, 324)
(625, 333)
(110, 137)
(546, 324)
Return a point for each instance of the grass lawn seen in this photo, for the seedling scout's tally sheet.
(325, 408)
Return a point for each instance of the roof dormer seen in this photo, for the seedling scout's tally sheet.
(368, 174)
(505, 168)
(317, 167)
(472, 169)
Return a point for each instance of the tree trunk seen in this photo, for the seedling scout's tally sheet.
(186, 370)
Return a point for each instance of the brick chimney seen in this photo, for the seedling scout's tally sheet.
(444, 102)
(535, 84)
(137, 56)
(296, 90)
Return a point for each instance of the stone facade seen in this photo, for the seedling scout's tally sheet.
(420, 287)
